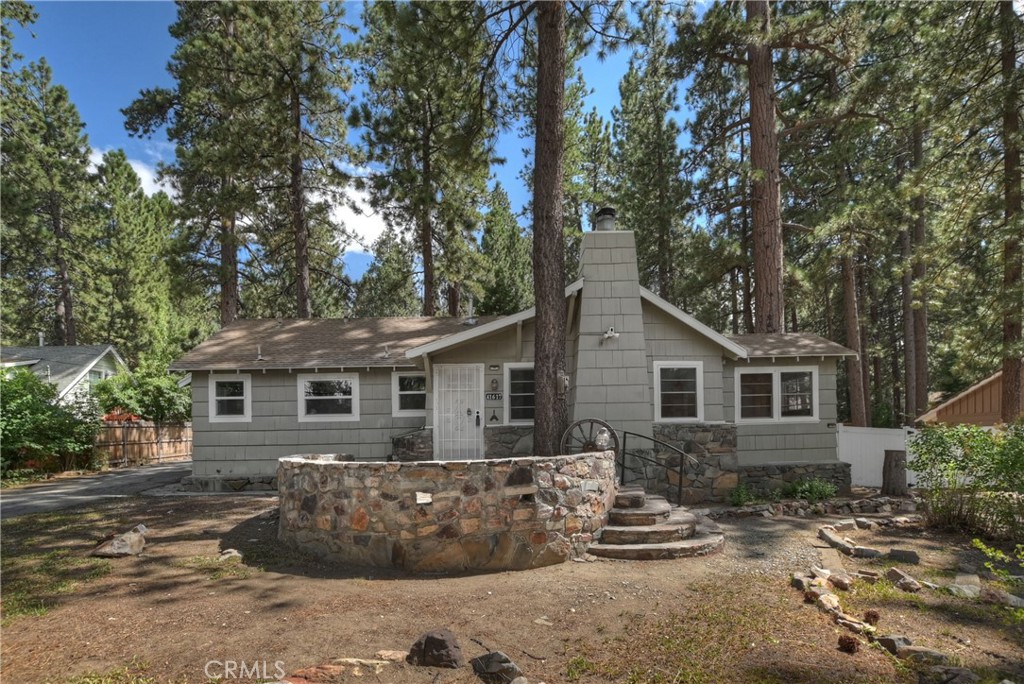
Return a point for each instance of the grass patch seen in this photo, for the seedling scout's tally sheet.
(216, 569)
(34, 583)
(884, 593)
(133, 673)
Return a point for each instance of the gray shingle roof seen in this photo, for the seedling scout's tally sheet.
(790, 345)
(318, 343)
(59, 365)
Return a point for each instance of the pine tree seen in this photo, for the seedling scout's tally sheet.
(388, 288)
(507, 251)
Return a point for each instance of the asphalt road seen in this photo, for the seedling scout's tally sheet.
(66, 492)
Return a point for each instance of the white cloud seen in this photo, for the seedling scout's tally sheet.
(364, 225)
(147, 173)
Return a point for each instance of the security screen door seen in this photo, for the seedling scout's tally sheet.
(458, 411)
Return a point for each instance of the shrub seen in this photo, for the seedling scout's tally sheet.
(972, 479)
(813, 489)
(742, 495)
(149, 393)
(39, 433)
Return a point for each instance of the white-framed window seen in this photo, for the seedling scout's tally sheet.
(408, 394)
(777, 394)
(678, 391)
(231, 398)
(519, 393)
(327, 397)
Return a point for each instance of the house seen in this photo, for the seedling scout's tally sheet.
(980, 404)
(74, 370)
(759, 409)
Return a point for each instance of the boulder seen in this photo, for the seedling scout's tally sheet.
(968, 591)
(801, 582)
(922, 655)
(904, 556)
(840, 581)
(495, 668)
(894, 642)
(828, 603)
(844, 525)
(130, 543)
(902, 580)
(865, 552)
(947, 675)
(438, 648)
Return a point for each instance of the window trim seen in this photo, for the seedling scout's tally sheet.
(507, 403)
(303, 417)
(247, 397)
(776, 373)
(699, 367)
(397, 412)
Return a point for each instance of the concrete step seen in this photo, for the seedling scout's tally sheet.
(630, 497)
(679, 525)
(700, 545)
(654, 511)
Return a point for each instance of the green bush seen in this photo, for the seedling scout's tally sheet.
(742, 495)
(972, 479)
(38, 433)
(812, 489)
(149, 393)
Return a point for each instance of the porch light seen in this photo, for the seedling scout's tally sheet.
(603, 439)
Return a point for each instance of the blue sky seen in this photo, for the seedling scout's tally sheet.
(104, 53)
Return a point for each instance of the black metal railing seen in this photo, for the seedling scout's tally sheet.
(684, 457)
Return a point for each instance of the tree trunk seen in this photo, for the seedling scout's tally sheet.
(454, 299)
(865, 347)
(919, 272)
(64, 309)
(548, 245)
(425, 229)
(748, 298)
(910, 411)
(1012, 297)
(854, 375)
(894, 474)
(300, 229)
(228, 271)
(764, 157)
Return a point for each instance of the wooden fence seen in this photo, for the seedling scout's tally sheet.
(143, 442)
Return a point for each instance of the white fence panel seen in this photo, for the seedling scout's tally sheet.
(864, 449)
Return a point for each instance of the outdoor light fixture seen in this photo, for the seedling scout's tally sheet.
(611, 334)
(603, 439)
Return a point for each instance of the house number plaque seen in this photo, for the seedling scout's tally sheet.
(493, 396)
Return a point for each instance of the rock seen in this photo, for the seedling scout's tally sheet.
(820, 573)
(543, 620)
(828, 603)
(130, 543)
(229, 554)
(904, 556)
(391, 656)
(438, 648)
(922, 655)
(947, 675)
(840, 581)
(854, 625)
(902, 580)
(844, 525)
(967, 579)
(801, 582)
(964, 590)
(894, 642)
(864, 523)
(495, 668)
(1004, 597)
(828, 534)
(520, 680)
(929, 585)
(865, 552)
(814, 593)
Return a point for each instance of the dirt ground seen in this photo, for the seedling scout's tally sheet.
(173, 611)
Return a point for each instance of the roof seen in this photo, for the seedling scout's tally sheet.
(62, 366)
(933, 415)
(789, 345)
(319, 343)
(495, 324)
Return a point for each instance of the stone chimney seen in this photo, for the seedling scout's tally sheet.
(612, 379)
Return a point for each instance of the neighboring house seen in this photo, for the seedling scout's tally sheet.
(980, 404)
(72, 369)
(762, 407)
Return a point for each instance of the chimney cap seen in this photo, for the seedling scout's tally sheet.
(605, 219)
(606, 211)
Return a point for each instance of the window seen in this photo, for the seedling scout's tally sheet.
(96, 376)
(408, 394)
(519, 391)
(328, 397)
(679, 391)
(777, 394)
(230, 398)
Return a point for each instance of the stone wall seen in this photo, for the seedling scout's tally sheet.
(508, 441)
(453, 516)
(413, 446)
(776, 476)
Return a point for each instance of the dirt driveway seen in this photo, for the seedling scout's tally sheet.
(176, 609)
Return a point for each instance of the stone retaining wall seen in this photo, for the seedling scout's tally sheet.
(452, 516)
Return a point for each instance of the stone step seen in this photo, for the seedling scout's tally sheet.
(630, 497)
(654, 511)
(700, 545)
(680, 525)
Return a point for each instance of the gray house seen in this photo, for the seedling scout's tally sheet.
(72, 369)
(753, 408)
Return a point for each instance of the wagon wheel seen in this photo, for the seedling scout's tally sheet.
(589, 434)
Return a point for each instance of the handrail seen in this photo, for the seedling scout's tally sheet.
(679, 482)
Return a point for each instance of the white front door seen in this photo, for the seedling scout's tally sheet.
(458, 411)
